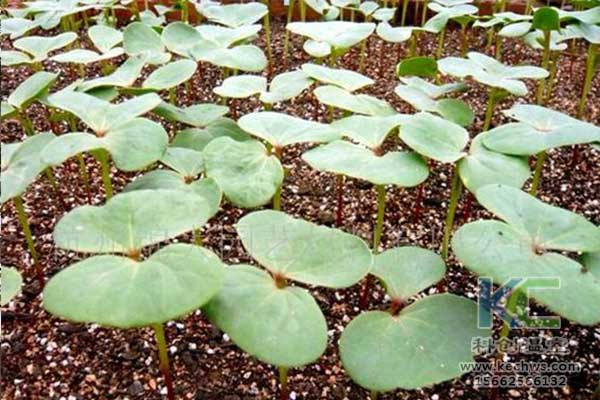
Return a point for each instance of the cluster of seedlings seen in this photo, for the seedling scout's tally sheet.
(184, 177)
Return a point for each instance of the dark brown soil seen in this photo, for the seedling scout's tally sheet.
(46, 358)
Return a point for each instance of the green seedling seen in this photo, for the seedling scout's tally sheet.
(16, 27)
(50, 14)
(144, 42)
(33, 88)
(105, 39)
(432, 335)
(262, 312)
(527, 244)
(278, 131)
(365, 104)
(462, 13)
(508, 24)
(130, 290)
(547, 20)
(11, 282)
(118, 133)
(333, 37)
(21, 164)
(503, 80)
(33, 50)
(539, 129)
(283, 87)
(198, 115)
(221, 46)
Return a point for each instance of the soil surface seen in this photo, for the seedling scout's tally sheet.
(46, 358)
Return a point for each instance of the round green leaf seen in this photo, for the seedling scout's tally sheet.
(546, 19)
(170, 75)
(11, 284)
(282, 130)
(234, 15)
(197, 139)
(21, 164)
(317, 49)
(241, 86)
(357, 103)
(424, 345)
(246, 173)
(538, 129)
(32, 88)
(435, 137)
(348, 80)
(501, 251)
(199, 115)
(425, 67)
(206, 188)
(187, 162)
(302, 251)
(131, 221)
(393, 168)
(141, 40)
(338, 34)
(394, 35)
(368, 131)
(483, 167)
(104, 37)
(126, 293)
(40, 46)
(283, 327)
(405, 271)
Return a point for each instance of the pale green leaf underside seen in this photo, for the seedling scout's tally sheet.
(10, 285)
(281, 129)
(131, 221)
(247, 174)
(405, 271)
(120, 292)
(405, 169)
(539, 129)
(367, 130)
(303, 251)
(132, 146)
(346, 79)
(357, 103)
(22, 164)
(548, 227)
(31, 88)
(424, 345)
(495, 249)
(484, 167)
(435, 137)
(283, 327)
(206, 188)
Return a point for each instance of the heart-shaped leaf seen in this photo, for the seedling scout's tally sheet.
(521, 247)
(357, 103)
(130, 221)
(393, 168)
(546, 19)
(405, 271)
(124, 76)
(83, 56)
(433, 336)
(489, 71)
(21, 164)
(141, 40)
(338, 34)
(40, 46)
(302, 251)
(538, 129)
(104, 37)
(369, 131)
(281, 130)
(126, 293)
(197, 139)
(11, 284)
(170, 75)
(247, 174)
(348, 80)
(234, 15)
(31, 88)
(243, 58)
(394, 34)
(284, 327)
(435, 137)
(241, 86)
(198, 115)
(482, 167)
(206, 188)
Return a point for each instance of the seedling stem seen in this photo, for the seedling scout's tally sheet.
(283, 381)
(104, 163)
(455, 192)
(545, 62)
(22, 215)
(539, 164)
(163, 357)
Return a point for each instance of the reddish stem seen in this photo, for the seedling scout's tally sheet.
(418, 207)
(381, 59)
(366, 291)
(575, 157)
(468, 206)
